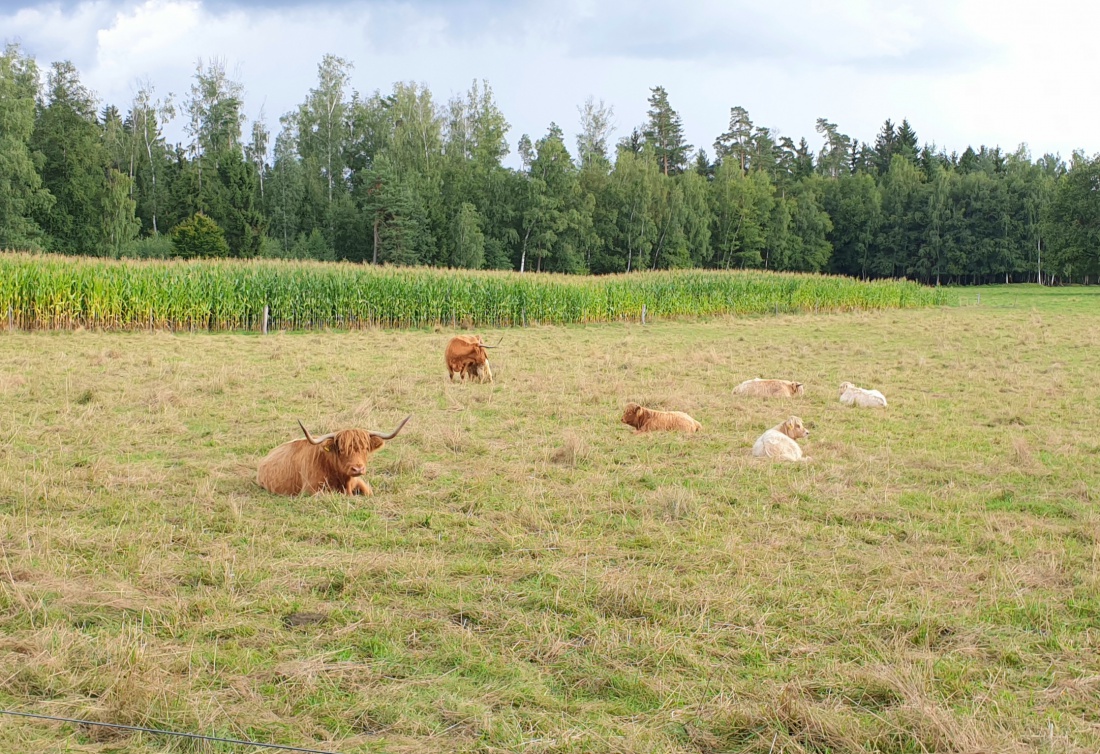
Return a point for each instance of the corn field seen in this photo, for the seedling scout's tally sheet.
(44, 292)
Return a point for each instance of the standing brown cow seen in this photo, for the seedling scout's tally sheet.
(334, 462)
(466, 357)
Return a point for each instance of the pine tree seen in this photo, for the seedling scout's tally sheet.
(906, 144)
(665, 133)
(396, 222)
(75, 164)
(968, 162)
(854, 204)
(833, 157)
(885, 147)
(737, 142)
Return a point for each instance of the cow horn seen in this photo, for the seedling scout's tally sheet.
(310, 437)
(498, 343)
(393, 434)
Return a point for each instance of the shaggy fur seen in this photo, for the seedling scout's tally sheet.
(336, 464)
(779, 442)
(769, 388)
(850, 395)
(466, 357)
(648, 420)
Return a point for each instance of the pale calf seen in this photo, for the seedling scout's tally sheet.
(778, 443)
(850, 395)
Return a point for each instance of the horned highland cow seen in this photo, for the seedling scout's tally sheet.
(466, 357)
(334, 462)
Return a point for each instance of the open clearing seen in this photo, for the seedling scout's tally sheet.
(531, 576)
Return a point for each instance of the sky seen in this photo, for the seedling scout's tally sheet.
(963, 72)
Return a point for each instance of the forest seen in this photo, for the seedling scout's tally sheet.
(398, 178)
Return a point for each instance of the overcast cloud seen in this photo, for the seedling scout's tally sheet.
(971, 72)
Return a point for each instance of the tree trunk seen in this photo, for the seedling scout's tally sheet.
(377, 220)
(1039, 254)
(661, 242)
(629, 245)
(523, 254)
(152, 169)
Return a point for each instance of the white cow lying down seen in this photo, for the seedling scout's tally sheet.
(850, 395)
(779, 441)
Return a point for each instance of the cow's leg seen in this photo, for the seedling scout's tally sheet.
(359, 486)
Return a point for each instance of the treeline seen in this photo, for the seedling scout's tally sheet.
(399, 178)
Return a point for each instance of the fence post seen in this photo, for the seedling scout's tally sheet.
(266, 311)
(11, 320)
(979, 299)
(643, 314)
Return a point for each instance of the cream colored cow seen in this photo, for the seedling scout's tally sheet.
(850, 395)
(778, 443)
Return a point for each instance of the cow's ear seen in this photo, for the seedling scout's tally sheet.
(328, 445)
(376, 443)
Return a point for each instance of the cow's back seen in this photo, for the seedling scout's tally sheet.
(286, 469)
(768, 388)
(463, 352)
(775, 444)
(653, 420)
(863, 398)
(462, 348)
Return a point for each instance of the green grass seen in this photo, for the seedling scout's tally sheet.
(1068, 298)
(530, 575)
(52, 292)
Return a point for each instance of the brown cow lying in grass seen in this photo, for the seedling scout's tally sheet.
(850, 395)
(466, 357)
(334, 462)
(779, 441)
(769, 388)
(648, 420)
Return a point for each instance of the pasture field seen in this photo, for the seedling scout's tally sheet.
(530, 576)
